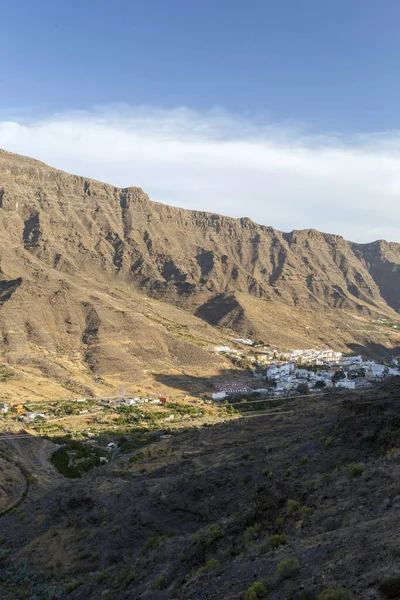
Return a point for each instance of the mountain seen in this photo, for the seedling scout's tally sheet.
(101, 287)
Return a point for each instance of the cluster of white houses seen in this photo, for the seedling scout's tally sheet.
(307, 370)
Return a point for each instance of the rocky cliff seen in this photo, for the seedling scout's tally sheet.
(98, 282)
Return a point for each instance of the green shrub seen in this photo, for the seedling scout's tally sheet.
(305, 511)
(214, 531)
(292, 506)
(160, 583)
(256, 591)
(277, 540)
(334, 594)
(211, 564)
(71, 587)
(355, 469)
(150, 543)
(102, 576)
(127, 577)
(288, 567)
(250, 535)
(288, 472)
(303, 460)
(328, 441)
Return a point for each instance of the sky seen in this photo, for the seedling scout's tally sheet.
(283, 111)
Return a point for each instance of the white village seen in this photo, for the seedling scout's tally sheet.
(281, 373)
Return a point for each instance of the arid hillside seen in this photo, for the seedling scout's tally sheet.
(301, 500)
(101, 287)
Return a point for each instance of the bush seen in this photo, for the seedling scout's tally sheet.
(160, 583)
(292, 506)
(127, 577)
(288, 567)
(355, 469)
(71, 587)
(328, 441)
(305, 511)
(102, 576)
(390, 587)
(256, 591)
(211, 564)
(250, 535)
(303, 460)
(277, 540)
(334, 594)
(214, 531)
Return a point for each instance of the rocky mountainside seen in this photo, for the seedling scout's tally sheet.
(302, 500)
(101, 286)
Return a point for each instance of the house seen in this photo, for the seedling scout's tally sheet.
(32, 416)
(163, 400)
(247, 342)
(232, 388)
(272, 372)
(218, 395)
(18, 408)
(130, 401)
(221, 349)
(3, 408)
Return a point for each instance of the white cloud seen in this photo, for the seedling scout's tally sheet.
(277, 174)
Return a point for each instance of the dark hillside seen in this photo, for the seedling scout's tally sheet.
(303, 501)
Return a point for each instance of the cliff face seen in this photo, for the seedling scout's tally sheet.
(79, 257)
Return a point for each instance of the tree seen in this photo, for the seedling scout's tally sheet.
(302, 388)
(320, 385)
(338, 376)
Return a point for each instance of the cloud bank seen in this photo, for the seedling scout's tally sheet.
(276, 174)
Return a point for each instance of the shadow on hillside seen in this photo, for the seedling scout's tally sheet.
(373, 350)
(198, 385)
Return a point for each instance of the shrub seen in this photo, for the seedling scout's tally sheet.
(288, 567)
(292, 506)
(215, 532)
(277, 540)
(334, 594)
(288, 472)
(127, 577)
(102, 576)
(305, 511)
(150, 543)
(250, 535)
(328, 442)
(160, 583)
(256, 591)
(71, 587)
(211, 564)
(355, 469)
(390, 587)
(303, 460)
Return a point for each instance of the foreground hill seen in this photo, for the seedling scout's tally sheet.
(100, 287)
(302, 500)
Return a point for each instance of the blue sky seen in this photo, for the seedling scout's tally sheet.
(334, 63)
(295, 101)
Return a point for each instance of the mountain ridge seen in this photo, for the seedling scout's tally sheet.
(69, 245)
